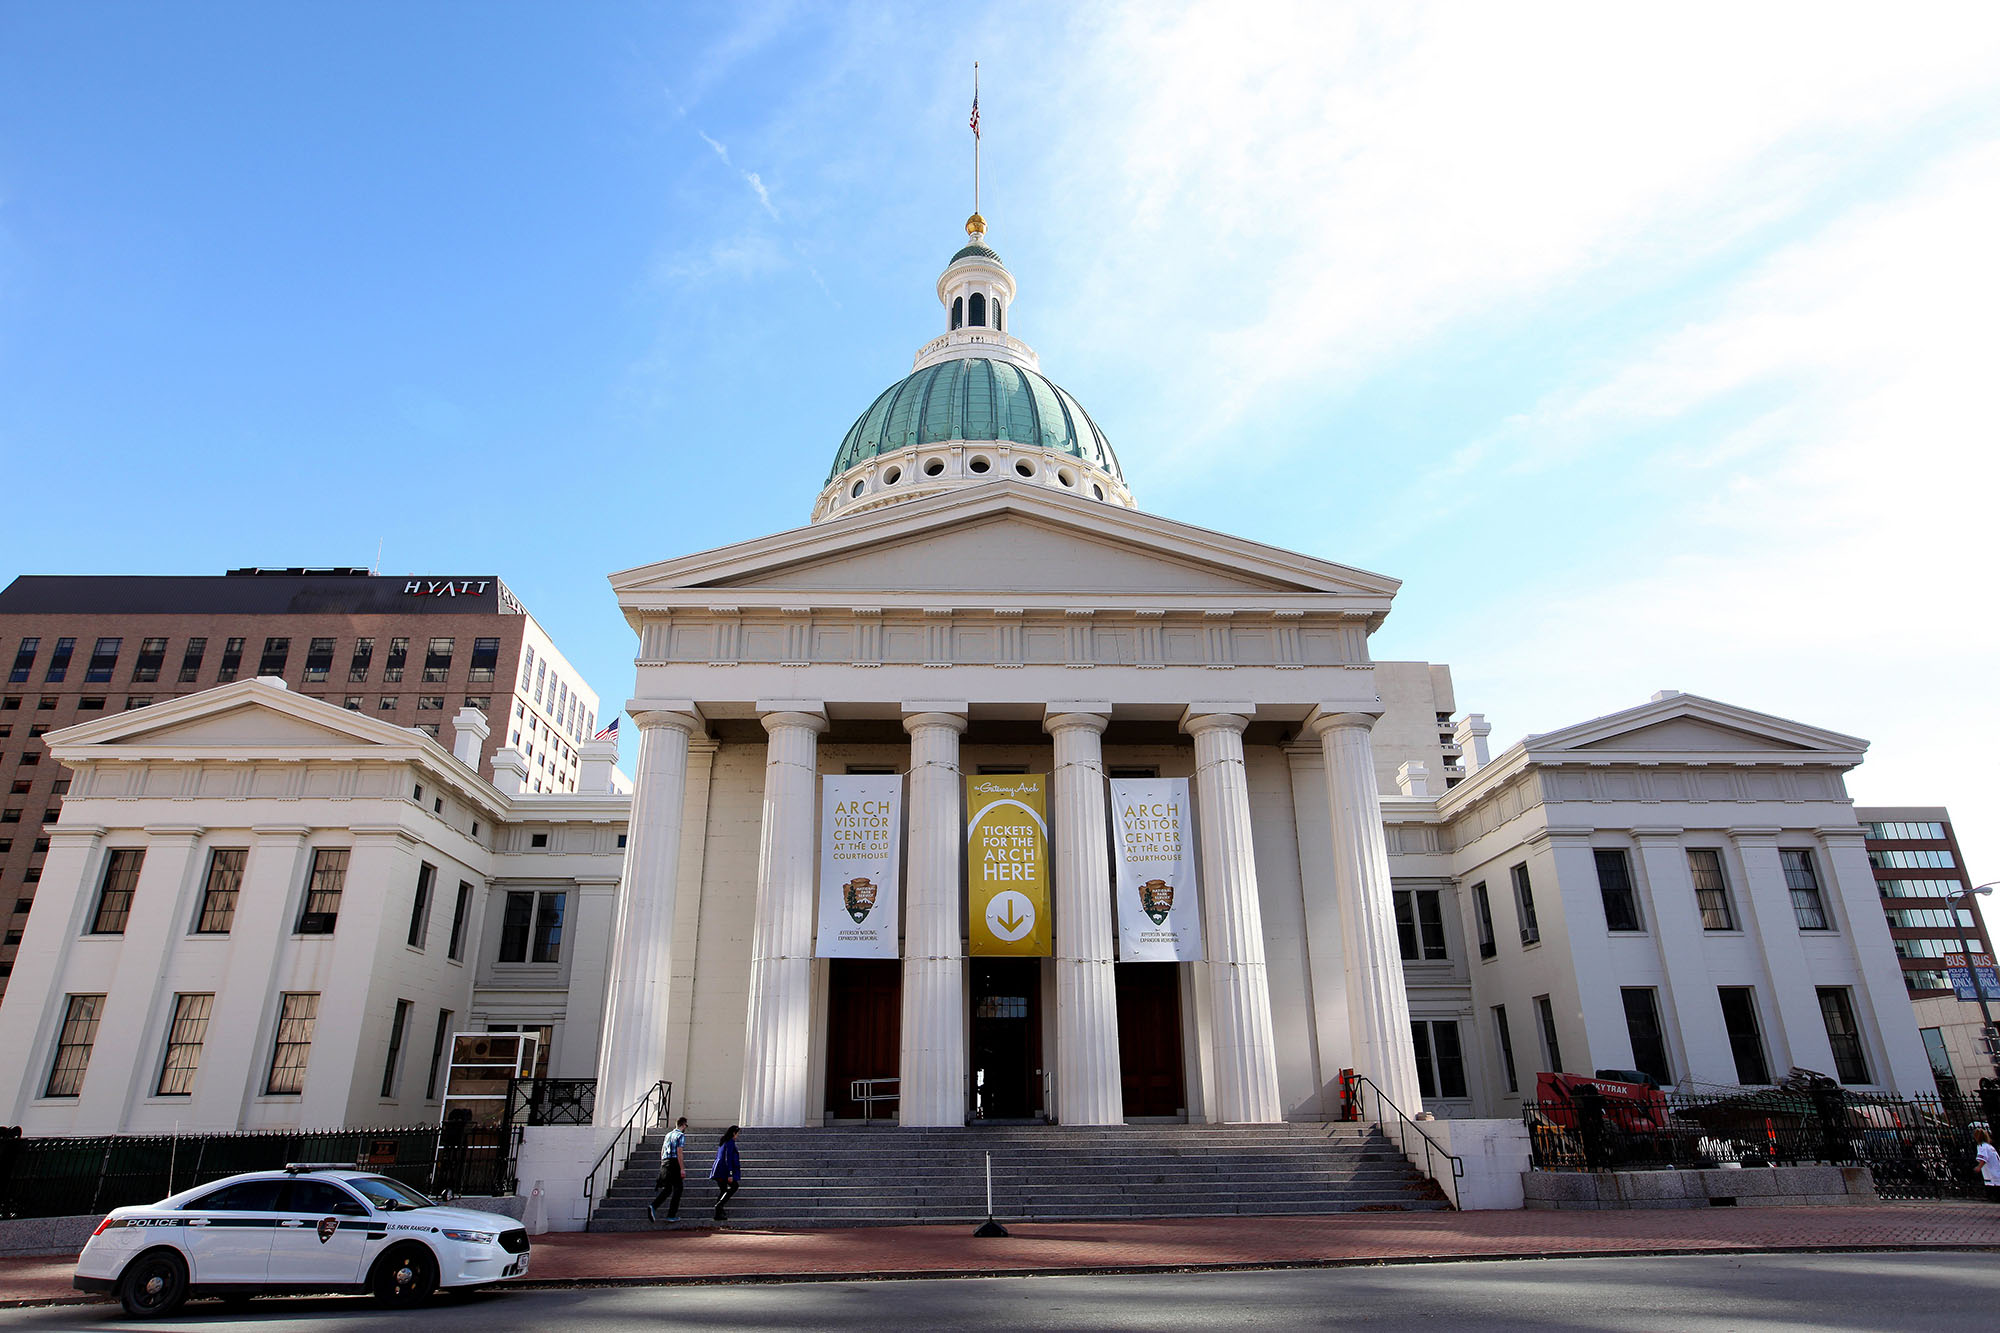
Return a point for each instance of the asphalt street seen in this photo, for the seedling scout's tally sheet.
(1708, 1293)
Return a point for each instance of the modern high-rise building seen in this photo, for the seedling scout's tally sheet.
(1921, 875)
(403, 649)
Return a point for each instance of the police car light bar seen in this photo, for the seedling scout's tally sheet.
(294, 1168)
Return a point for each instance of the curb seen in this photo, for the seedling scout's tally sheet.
(1100, 1270)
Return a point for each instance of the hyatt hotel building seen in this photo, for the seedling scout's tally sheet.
(403, 649)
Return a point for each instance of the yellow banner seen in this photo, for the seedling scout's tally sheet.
(1007, 865)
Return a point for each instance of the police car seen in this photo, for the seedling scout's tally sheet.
(310, 1227)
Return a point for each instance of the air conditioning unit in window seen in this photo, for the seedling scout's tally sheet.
(317, 923)
(1530, 935)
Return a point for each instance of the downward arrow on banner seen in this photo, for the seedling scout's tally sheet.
(1010, 922)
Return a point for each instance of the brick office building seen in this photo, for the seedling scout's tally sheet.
(405, 650)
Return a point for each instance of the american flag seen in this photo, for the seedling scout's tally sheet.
(609, 733)
(975, 115)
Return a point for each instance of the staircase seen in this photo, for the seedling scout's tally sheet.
(845, 1176)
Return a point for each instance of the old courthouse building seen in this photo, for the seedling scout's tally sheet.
(1681, 887)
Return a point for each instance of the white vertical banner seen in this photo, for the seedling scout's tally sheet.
(1159, 905)
(860, 850)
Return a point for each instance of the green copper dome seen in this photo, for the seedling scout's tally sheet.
(975, 249)
(975, 399)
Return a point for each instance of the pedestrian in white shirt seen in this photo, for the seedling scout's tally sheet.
(1989, 1164)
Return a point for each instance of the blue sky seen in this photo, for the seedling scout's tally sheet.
(1647, 356)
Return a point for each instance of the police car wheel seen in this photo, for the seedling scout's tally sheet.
(405, 1276)
(153, 1284)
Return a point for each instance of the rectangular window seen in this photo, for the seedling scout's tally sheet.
(1907, 831)
(24, 660)
(293, 1043)
(437, 661)
(420, 909)
(527, 665)
(73, 1043)
(1803, 881)
(386, 704)
(323, 889)
(541, 675)
(459, 912)
(399, 656)
(232, 660)
(357, 665)
(272, 663)
(218, 893)
(389, 1066)
(1913, 858)
(90, 704)
(531, 928)
(1419, 925)
(191, 660)
(1649, 1043)
(1614, 886)
(1711, 890)
(438, 1040)
(485, 659)
(1482, 914)
(482, 702)
(1545, 1014)
(1836, 1008)
(1524, 906)
(59, 661)
(1739, 1020)
(152, 655)
(1934, 1047)
(185, 1035)
(114, 896)
(319, 660)
(430, 703)
(103, 660)
(1506, 1047)
(1440, 1062)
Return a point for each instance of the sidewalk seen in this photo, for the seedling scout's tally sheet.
(1057, 1247)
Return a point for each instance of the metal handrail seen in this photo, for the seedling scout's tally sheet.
(865, 1091)
(1431, 1145)
(659, 1096)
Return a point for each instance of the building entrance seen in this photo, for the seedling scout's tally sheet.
(1007, 1039)
(864, 1030)
(1149, 1040)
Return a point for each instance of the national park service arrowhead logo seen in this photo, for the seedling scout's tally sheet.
(1156, 896)
(858, 895)
(327, 1227)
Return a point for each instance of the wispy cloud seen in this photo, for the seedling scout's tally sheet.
(750, 178)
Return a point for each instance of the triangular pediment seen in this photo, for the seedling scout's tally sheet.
(1687, 724)
(251, 726)
(1013, 540)
(247, 717)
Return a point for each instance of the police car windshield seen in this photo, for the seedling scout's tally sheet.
(389, 1195)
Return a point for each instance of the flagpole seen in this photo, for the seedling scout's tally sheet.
(975, 138)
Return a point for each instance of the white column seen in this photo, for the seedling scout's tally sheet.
(1378, 1007)
(1089, 1090)
(1246, 1062)
(934, 1061)
(777, 1039)
(631, 1055)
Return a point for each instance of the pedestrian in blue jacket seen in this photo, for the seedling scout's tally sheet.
(727, 1172)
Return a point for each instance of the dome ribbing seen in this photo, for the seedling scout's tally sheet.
(974, 398)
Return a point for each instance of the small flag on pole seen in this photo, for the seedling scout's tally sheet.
(975, 115)
(609, 733)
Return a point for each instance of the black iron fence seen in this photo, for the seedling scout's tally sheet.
(1917, 1147)
(60, 1176)
(551, 1101)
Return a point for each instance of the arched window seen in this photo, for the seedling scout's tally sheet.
(958, 313)
(997, 325)
(978, 311)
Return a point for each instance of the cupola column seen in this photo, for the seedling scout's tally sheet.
(1246, 1055)
(632, 1055)
(1378, 1007)
(777, 1056)
(1089, 1089)
(933, 1068)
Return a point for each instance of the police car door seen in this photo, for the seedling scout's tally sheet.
(321, 1237)
(228, 1231)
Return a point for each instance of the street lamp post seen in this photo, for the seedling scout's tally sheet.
(1972, 971)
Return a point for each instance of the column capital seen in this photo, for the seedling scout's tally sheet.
(778, 719)
(165, 832)
(1342, 717)
(918, 717)
(280, 832)
(1073, 717)
(1664, 834)
(680, 714)
(1757, 834)
(1200, 717)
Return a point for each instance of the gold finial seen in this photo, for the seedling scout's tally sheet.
(975, 227)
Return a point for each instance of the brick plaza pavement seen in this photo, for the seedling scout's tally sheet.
(732, 1253)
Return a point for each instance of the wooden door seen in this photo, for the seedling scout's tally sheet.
(864, 1030)
(1149, 1039)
